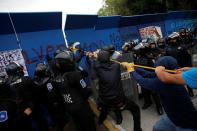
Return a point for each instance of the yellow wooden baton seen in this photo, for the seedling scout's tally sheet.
(145, 67)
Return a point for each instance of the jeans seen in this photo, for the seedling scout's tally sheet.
(165, 124)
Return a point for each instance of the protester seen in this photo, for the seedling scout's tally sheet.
(187, 76)
(111, 95)
(180, 112)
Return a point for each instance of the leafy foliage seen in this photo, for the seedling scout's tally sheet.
(135, 7)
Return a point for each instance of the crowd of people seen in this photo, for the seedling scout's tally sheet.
(59, 91)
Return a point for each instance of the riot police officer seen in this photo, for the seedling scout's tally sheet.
(185, 37)
(74, 92)
(173, 48)
(48, 101)
(178, 49)
(161, 47)
(152, 55)
(21, 88)
(7, 107)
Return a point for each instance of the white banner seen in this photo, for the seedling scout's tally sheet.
(12, 55)
(153, 32)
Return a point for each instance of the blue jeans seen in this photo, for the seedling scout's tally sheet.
(165, 124)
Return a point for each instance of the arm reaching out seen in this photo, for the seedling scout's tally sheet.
(168, 78)
(185, 69)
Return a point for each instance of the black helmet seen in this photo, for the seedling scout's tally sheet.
(57, 52)
(161, 43)
(160, 40)
(42, 70)
(126, 46)
(183, 32)
(64, 61)
(152, 45)
(66, 55)
(173, 38)
(14, 69)
(110, 48)
(103, 56)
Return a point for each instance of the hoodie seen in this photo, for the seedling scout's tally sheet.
(175, 99)
(110, 89)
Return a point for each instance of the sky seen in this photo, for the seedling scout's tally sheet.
(66, 6)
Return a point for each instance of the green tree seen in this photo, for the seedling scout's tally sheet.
(115, 7)
(134, 7)
(147, 6)
(182, 4)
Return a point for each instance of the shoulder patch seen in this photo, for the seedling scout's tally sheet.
(3, 116)
(83, 83)
(49, 86)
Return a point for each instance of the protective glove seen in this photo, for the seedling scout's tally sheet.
(128, 66)
(28, 111)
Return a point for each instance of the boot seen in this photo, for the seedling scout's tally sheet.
(137, 129)
(160, 111)
(146, 105)
(118, 117)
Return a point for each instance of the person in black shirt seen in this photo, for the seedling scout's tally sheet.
(74, 92)
(7, 107)
(22, 96)
(111, 94)
(48, 100)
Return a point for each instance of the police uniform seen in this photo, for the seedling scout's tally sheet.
(21, 88)
(74, 92)
(7, 107)
(50, 110)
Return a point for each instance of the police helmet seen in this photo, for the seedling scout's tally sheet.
(66, 55)
(161, 42)
(173, 38)
(57, 52)
(15, 69)
(110, 48)
(126, 46)
(64, 61)
(42, 70)
(183, 32)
